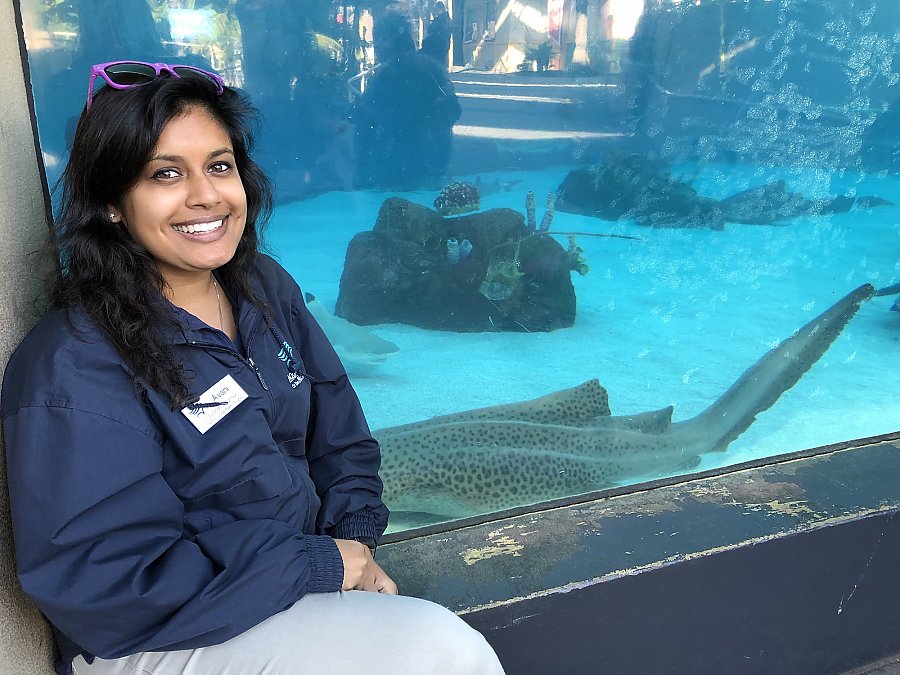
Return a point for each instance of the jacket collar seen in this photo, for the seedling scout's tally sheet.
(185, 328)
(188, 329)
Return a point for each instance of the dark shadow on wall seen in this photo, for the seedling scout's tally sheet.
(108, 30)
(296, 57)
(880, 149)
(404, 119)
(295, 73)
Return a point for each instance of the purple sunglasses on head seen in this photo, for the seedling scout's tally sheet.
(129, 74)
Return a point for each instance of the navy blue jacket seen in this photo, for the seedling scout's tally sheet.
(134, 531)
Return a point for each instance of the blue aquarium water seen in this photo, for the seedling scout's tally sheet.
(671, 318)
(707, 99)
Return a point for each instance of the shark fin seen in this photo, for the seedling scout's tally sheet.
(580, 406)
(652, 422)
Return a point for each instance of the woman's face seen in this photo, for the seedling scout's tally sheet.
(188, 208)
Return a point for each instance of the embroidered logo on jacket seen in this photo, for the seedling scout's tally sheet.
(286, 354)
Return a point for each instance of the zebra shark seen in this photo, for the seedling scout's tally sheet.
(569, 443)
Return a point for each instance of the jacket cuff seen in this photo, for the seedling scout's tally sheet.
(357, 525)
(326, 567)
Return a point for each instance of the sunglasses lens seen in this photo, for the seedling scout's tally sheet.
(188, 71)
(130, 73)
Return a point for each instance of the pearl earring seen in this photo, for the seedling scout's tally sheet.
(112, 216)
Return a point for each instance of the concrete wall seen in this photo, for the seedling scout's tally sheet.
(25, 642)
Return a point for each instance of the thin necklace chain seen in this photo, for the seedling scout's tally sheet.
(219, 306)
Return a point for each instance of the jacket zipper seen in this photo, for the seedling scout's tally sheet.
(252, 363)
(247, 361)
(258, 374)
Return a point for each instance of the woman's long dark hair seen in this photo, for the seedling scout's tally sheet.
(102, 270)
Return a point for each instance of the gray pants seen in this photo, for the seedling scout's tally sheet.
(330, 634)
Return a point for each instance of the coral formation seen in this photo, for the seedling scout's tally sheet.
(530, 216)
(452, 251)
(494, 270)
(530, 221)
(548, 213)
(457, 251)
(457, 198)
(482, 271)
(574, 255)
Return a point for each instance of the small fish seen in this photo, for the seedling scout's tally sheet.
(494, 186)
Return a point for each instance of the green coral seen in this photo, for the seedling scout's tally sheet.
(575, 258)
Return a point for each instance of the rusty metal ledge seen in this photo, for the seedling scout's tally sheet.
(775, 568)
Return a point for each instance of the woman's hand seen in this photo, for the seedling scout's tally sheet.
(361, 572)
(383, 583)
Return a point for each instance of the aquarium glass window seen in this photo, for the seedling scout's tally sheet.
(560, 245)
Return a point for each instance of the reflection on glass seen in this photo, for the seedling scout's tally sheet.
(653, 194)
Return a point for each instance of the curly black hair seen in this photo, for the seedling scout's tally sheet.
(101, 269)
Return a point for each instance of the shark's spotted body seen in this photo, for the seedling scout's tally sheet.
(568, 442)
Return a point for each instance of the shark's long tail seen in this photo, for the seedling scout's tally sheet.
(888, 290)
(776, 372)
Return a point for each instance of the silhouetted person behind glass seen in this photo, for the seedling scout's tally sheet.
(437, 43)
(404, 120)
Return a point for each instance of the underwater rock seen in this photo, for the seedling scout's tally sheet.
(771, 203)
(407, 270)
(764, 204)
(457, 198)
(635, 187)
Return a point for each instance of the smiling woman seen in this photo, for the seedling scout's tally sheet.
(215, 483)
(188, 210)
(184, 164)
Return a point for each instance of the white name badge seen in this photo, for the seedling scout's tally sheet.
(226, 394)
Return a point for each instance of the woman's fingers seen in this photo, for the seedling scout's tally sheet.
(361, 572)
(383, 583)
